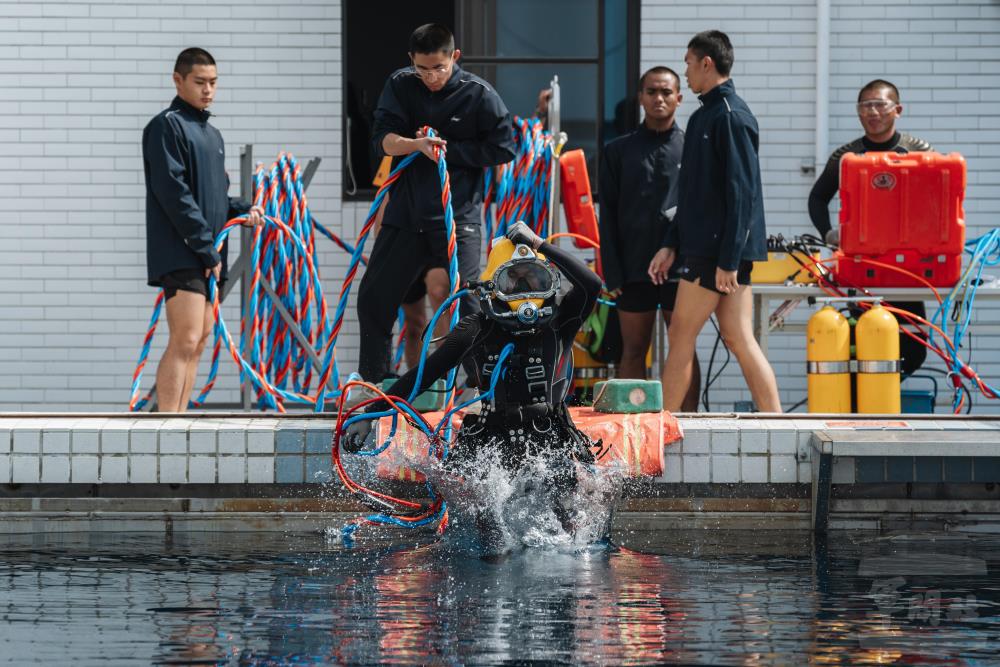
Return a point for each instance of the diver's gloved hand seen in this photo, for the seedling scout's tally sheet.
(354, 436)
(521, 233)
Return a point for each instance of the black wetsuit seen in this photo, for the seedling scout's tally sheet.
(828, 183)
(639, 176)
(187, 191)
(470, 115)
(912, 354)
(527, 414)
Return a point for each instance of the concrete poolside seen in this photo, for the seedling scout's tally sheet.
(233, 472)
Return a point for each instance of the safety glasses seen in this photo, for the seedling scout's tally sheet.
(880, 107)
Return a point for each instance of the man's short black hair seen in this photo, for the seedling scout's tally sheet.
(716, 45)
(188, 58)
(880, 84)
(432, 38)
(659, 69)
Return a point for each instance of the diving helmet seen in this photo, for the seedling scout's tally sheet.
(518, 286)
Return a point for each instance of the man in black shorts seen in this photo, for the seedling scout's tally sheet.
(476, 131)
(719, 227)
(187, 203)
(638, 190)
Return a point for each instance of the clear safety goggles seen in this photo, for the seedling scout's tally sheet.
(879, 107)
(525, 278)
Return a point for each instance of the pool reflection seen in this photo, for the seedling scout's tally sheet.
(705, 597)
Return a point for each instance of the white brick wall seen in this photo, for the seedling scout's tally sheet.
(78, 80)
(943, 57)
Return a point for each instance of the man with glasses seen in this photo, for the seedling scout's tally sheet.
(878, 108)
(475, 131)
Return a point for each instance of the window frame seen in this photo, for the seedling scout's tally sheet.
(632, 43)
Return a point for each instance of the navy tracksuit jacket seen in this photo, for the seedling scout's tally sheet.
(187, 191)
(720, 207)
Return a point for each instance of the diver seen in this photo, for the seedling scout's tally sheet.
(519, 292)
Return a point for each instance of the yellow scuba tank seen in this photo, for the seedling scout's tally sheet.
(877, 343)
(828, 361)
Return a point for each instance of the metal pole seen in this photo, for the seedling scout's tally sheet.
(554, 128)
(246, 192)
(660, 354)
(310, 171)
(822, 83)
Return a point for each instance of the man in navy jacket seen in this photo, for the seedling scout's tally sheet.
(719, 227)
(638, 190)
(187, 204)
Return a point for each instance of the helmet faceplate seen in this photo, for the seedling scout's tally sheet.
(522, 281)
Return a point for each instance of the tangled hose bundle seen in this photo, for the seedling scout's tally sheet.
(957, 306)
(281, 368)
(521, 188)
(283, 254)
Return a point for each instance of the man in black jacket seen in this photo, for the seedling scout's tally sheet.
(878, 109)
(187, 204)
(719, 227)
(475, 130)
(638, 190)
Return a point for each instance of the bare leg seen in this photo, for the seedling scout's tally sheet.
(415, 315)
(185, 322)
(637, 332)
(437, 291)
(735, 314)
(192, 371)
(693, 308)
(690, 402)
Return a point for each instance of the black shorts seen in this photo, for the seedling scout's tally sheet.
(645, 296)
(418, 289)
(187, 280)
(701, 271)
(467, 235)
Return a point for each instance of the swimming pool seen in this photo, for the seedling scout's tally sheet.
(701, 597)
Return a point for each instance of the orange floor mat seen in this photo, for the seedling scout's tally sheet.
(636, 441)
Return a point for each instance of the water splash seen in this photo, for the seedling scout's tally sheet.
(547, 502)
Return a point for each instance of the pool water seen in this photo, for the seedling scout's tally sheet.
(700, 597)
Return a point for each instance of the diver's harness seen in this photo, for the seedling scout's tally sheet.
(533, 409)
(530, 384)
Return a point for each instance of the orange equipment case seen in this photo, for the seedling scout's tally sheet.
(577, 200)
(904, 210)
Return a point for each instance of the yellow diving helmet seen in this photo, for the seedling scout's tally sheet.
(516, 285)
